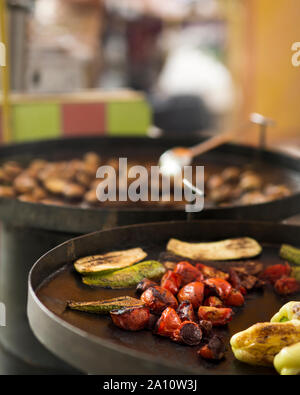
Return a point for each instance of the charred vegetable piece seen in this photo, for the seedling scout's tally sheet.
(171, 281)
(287, 286)
(168, 322)
(186, 312)
(290, 253)
(105, 306)
(111, 261)
(209, 271)
(145, 284)
(217, 316)
(206, 327)
(252, 268)
(188, 333)
(193, 293)
(229, 249)
(131, 318)
(128, 277)
(158, 298)
(214, 350)
(219, 286)
(213, 301)
(259, 344)
(235, 281)
(290, 311)
(187, 272)
(275, 272)
(235, 298)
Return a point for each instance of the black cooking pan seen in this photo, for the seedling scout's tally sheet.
(93, 345)
(273, 166)
(29, 230)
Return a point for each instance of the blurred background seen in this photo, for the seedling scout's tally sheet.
(137, 67)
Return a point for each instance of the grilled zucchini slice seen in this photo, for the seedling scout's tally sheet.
(105, 306)
(111, 261)
(224, 250)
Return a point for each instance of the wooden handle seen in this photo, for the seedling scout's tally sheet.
(212, 143)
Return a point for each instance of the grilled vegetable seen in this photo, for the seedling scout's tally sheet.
(105, 306)
(218, 316)
(296, 273)
(144, 284)
(214, 350)
(111, 261)
(131, 318)
(259, 344)
(168, 322)
(275, 272)
(171, 281)
(235, 298)
(209, 271)
(287, 361)
(287, 286)
(290, 311)
(127, 277)
(193, 293)
(213, 301)
(229, 249)
(290, 253)
(188, 333)
(218, 286)
(158, 298)
(186, 312)
(188, 273)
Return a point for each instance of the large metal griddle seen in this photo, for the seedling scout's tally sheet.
(73, 219)
(28, 230)
(93, 345)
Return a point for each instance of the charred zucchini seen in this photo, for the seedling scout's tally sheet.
(111, 261)
(127, 277)
(290, 253)
(224, 250)
(105, 306)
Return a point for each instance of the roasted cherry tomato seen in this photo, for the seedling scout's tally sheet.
(131, 318)
(214, 350)
(158, 298)
(186, 312)
(235, 281)
(188, 333)
(167, 323)
(171, 281)
(235, 298)
(213, 301)
(217, 316)
(219, 286)
(209, 271)
(144, 284)
(188, 273)
(287, 286)
(275, 272)
(193, 293)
